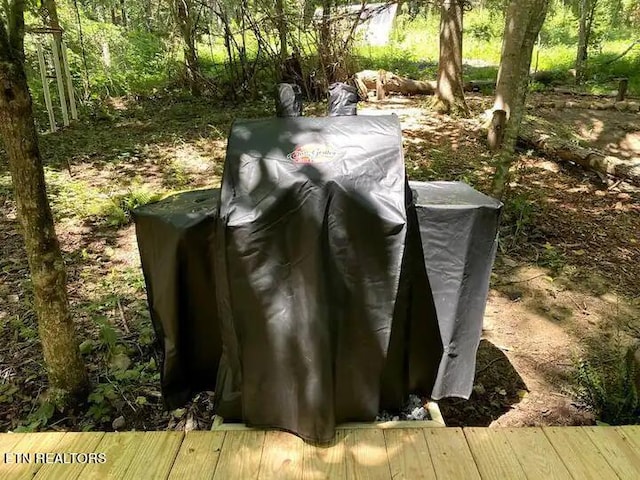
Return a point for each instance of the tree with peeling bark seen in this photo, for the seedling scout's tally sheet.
(449, 93)
(185, 15)
(67, 374)
(524, 18)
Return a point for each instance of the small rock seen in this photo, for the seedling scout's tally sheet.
(479, 389)
(119, 423)
(419, 413)
(13, 298)
(509, 262)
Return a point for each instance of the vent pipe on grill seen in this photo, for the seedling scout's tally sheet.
(343, 100)
(288, 100)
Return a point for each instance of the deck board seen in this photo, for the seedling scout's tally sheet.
(493, 454)
(241, 455)
(408, 454)
(154, 456)
(431, 453)
(579, 454)
(282, 457)
(119, 450)
(325, 462)
(198, 456)
(536, 455)
(618, 451)
(450, 454)
(366, 455)
(30, 445)
(72, 442)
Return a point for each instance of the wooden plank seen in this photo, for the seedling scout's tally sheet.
(61, 94)
(366, 455)
(536, 455)
(119, 450)
(240, 456)
(579, 454)
(632, 433)
(325, 462)
(391, 425)
(408, 455)
(493, 454)
(83, 443)
(45, 88)
(282, 456)
(25, 466)
(450, 454)
(198, 455)
(436, 415)
(154, 456)
(622, 455)
(241, 427)
(67, 72)
(8, 440)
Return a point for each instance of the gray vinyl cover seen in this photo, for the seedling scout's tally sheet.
(458, 227)
(317, 253)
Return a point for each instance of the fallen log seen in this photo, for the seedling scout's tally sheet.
(392, 83)
(551, 145)
(623, 106)
(383, 83)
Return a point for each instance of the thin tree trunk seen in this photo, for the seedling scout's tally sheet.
(450, 95)
(587, 10)
(326, 42)
(281, 22)
(67, 376)
(123, 12)
(522, 25)
(185, 19)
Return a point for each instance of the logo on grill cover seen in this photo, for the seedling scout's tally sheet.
(313, 153)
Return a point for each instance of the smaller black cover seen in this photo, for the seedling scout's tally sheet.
(458, 228)
(343, 100)
(288, 100)
(173, 239)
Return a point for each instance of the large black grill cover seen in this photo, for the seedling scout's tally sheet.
(316, 262)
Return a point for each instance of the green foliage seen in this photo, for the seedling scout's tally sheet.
(551, 257)
(609, 390)
(518, 219)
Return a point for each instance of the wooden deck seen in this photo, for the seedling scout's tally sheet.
(358, 453)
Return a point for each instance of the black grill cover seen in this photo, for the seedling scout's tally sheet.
(173, 239)
(315, 260)
(459, 228)
(343, 100)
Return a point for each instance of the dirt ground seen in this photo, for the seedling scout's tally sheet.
(564, 291)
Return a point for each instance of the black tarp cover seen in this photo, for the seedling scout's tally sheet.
(173, 238)
(315, 258)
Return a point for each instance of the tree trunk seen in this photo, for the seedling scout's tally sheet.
(185, 19)
(67, 376)
(450, 95)
(123, 12)
(587, 10)
(326, 42)
(281, 22)
(523, 22)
